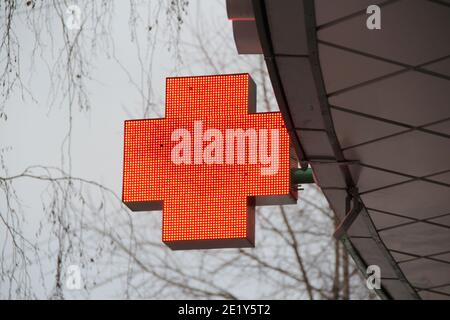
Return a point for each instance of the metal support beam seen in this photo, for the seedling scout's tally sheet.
(351, 215)
(301, 176)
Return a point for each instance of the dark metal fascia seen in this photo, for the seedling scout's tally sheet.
(272, 67)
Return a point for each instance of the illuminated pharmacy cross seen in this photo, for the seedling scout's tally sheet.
(206, 162)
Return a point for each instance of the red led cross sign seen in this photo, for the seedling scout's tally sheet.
(208, 162)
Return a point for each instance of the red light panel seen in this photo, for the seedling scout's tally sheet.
(207, 197)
